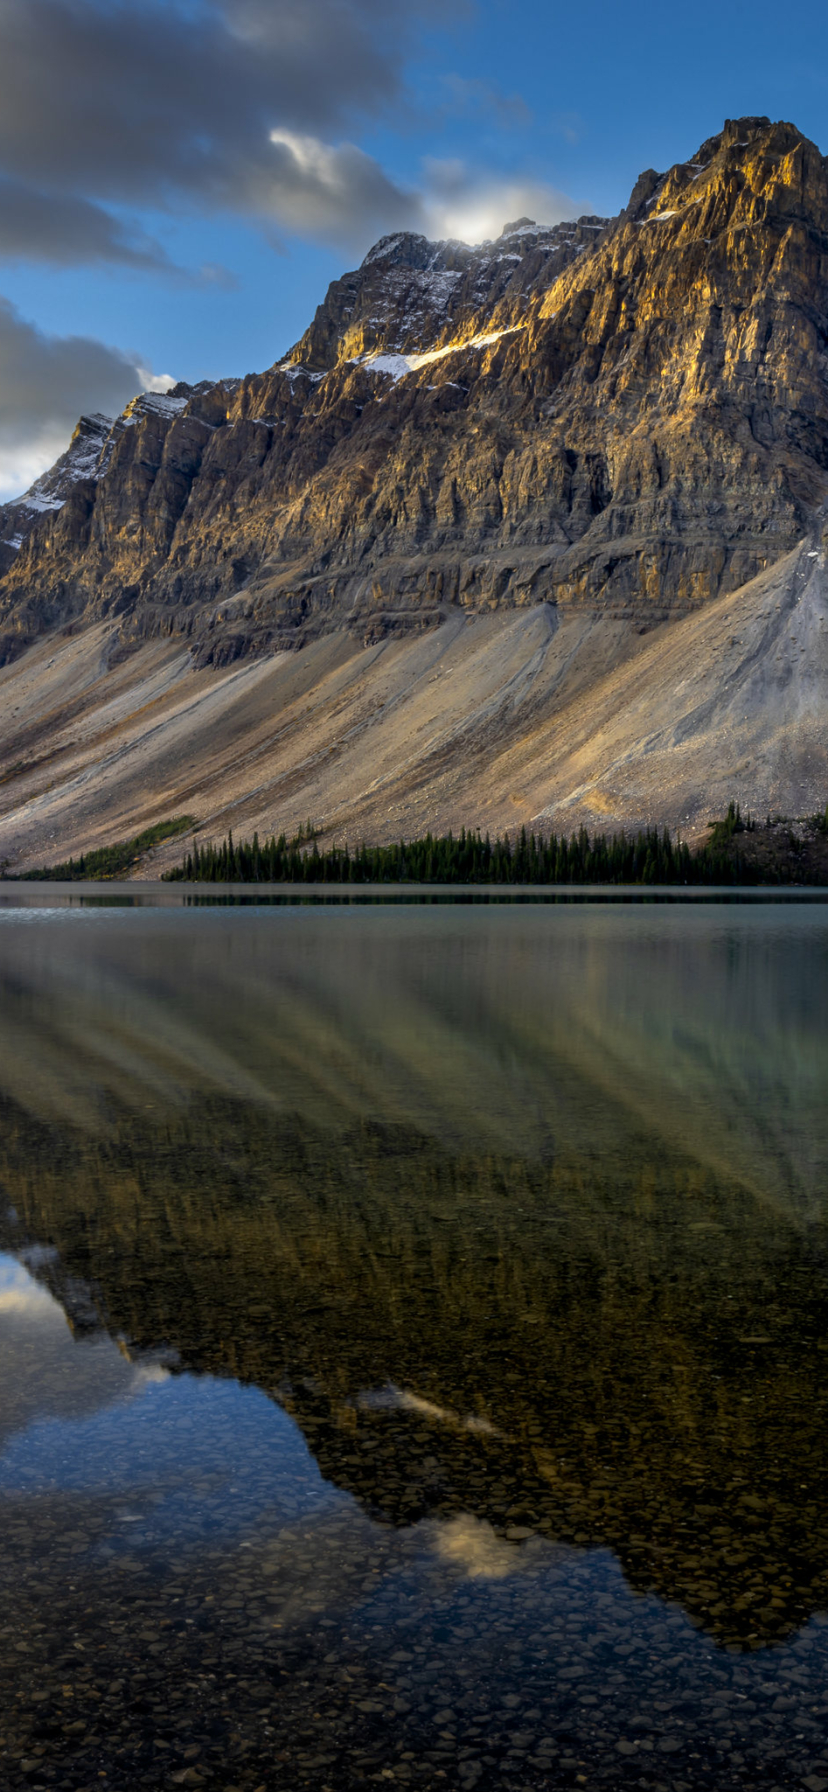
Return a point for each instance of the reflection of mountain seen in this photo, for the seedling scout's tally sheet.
(489, 1029)
(43, 1377)
(406, 1170)
(603, 1323)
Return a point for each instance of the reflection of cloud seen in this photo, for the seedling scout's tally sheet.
(22, 1296)
(146, 1375)
(48, 1375)
(471, 1544)
(394, 1399)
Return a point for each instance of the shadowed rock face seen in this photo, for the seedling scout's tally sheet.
(626, 416)
(79, 465)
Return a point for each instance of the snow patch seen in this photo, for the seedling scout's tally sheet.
(156, 402)
(294, 372)
(40, 501)
(399, 365)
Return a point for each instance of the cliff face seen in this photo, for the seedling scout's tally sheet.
(625, 417)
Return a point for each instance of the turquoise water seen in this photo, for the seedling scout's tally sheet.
(413, 1333)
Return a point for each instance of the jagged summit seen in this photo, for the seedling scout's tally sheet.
(407, 248)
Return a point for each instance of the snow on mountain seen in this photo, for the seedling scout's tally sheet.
(87, 458)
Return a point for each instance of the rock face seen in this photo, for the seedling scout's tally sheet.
(626, 418)
(80, 463)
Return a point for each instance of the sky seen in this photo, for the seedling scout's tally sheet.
(180, 179)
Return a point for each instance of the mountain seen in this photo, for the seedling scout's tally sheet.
(605, 444)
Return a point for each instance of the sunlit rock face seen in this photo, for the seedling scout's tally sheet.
(628, 417)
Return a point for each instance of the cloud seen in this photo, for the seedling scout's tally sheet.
(340, 194)
(569, 125)
(153, 103)
(344, 197)
(70, 232)
(466, 97)
(475, 206)
(45, 384)
(244, 106)
(113, 112)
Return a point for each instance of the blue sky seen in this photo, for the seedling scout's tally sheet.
(179, 179)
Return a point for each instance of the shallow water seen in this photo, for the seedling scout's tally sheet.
(413, 1334)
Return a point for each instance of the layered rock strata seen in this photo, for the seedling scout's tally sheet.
(626, 417)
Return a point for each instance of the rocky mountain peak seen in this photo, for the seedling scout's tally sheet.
(625, 415)
(411, 295)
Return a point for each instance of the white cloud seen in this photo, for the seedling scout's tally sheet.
(475, 206)
(222, 105)
(343, 196)
(335, 192)
(23, 462)
(190, 107)
(152, 382)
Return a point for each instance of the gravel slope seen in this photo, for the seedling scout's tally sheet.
(496, 721)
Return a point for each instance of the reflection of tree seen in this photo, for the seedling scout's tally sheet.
(642, 1340)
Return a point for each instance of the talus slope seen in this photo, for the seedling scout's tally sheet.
(513, 718)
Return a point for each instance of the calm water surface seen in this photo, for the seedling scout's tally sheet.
(414, 1347)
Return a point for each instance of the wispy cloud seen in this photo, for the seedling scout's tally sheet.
(165, 104)
(45, 384)
(251, 107)
(465, 97)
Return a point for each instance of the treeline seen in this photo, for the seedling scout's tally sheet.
(106, 861)
(647, 857)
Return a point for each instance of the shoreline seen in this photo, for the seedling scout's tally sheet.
(135, 892)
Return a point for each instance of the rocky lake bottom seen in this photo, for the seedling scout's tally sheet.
(413, 1343)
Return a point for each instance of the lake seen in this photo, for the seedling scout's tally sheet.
(413, 1344)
